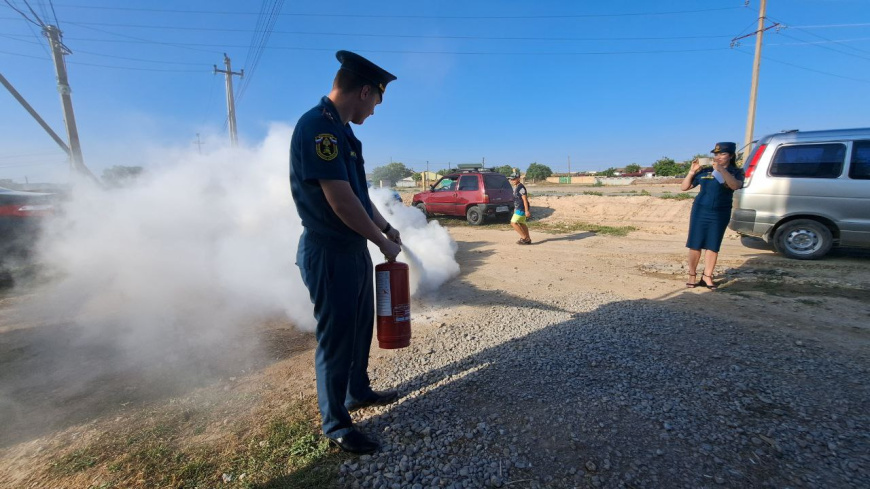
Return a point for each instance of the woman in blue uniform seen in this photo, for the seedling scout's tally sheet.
(711, 210)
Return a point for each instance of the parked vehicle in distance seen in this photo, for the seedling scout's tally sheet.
(806, 192)
(21, 215)
(476, 193)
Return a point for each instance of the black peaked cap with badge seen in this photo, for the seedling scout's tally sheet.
(725, 148)
(365, 68)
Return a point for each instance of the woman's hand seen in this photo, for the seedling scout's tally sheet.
(696, 165)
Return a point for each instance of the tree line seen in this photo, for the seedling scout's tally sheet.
(663, 167)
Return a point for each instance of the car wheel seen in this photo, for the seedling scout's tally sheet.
(803, 239)
(422, 208)
(474, 216)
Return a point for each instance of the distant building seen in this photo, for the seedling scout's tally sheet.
(406, 182)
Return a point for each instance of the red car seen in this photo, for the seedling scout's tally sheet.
(476, 194)
(21, 215)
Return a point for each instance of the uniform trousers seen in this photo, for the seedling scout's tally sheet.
(339, 281)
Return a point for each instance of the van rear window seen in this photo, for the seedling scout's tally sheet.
(860, 169)
(809, 161)
(496, 181)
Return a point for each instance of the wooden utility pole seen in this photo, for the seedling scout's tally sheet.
(753, 91)
(231, 103)
(58, 51)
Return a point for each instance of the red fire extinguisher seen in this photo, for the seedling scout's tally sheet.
(393, 305)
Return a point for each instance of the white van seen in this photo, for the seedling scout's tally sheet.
(806, 191)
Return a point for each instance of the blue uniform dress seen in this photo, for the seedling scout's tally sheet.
(711, 210)
(334, 262)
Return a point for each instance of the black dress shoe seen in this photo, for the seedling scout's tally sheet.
(355, 442)
(381, 399)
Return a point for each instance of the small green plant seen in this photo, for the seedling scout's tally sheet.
(565, 228)
(680, 196)
(592, 192)
(76, 461)
(644, 192)
(598, 183)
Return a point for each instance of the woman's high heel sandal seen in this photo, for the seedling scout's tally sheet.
(692, 284)
(712, 285)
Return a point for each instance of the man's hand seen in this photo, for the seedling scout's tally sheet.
(390, 249)
(393, 235)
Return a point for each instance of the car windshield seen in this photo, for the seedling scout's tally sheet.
(446, 183)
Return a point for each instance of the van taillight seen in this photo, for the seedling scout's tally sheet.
(486, 198)
(752, 164)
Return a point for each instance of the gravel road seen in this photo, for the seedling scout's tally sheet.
(591, 389)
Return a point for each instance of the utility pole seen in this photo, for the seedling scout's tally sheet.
(231, 103)
(58, 51)
(753, 91)
(569, 168)
(426, 179)
(198, 143)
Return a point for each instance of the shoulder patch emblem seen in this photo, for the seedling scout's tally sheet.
(326, 146)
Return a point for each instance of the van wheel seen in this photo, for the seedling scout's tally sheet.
(803, 239)
(422, 208)
(474, 216)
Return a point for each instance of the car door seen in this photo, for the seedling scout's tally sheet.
(855, 218)
(467, 192)
(443, 195)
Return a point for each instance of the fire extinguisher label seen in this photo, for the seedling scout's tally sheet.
(402, 312)
(384, 296)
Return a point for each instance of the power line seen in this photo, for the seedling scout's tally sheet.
(114, 67)
(767, 58)
(139, 39)
(387, 51)
(405, 36)
(29, 164)
(53, 13)
(829, 48)
(821, 37)
(855, 39)
(372, 16)
(13, 7)
(41, 23)
(24, 55)
(29, 155)
(142, 60)
(266, 24)
(828, 26)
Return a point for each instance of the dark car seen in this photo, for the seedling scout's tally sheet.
(476, 194)
(21, 216)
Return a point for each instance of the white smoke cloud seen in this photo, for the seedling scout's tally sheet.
(427, 248)
(202, 246)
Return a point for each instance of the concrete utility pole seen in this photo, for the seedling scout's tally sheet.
(58, 51)
(753, 91)
(231, 103)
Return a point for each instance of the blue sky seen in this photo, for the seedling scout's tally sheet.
(514, 82)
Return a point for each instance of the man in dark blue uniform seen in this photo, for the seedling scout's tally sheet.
(327, 179)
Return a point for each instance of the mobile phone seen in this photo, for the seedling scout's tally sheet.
(704, 161)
